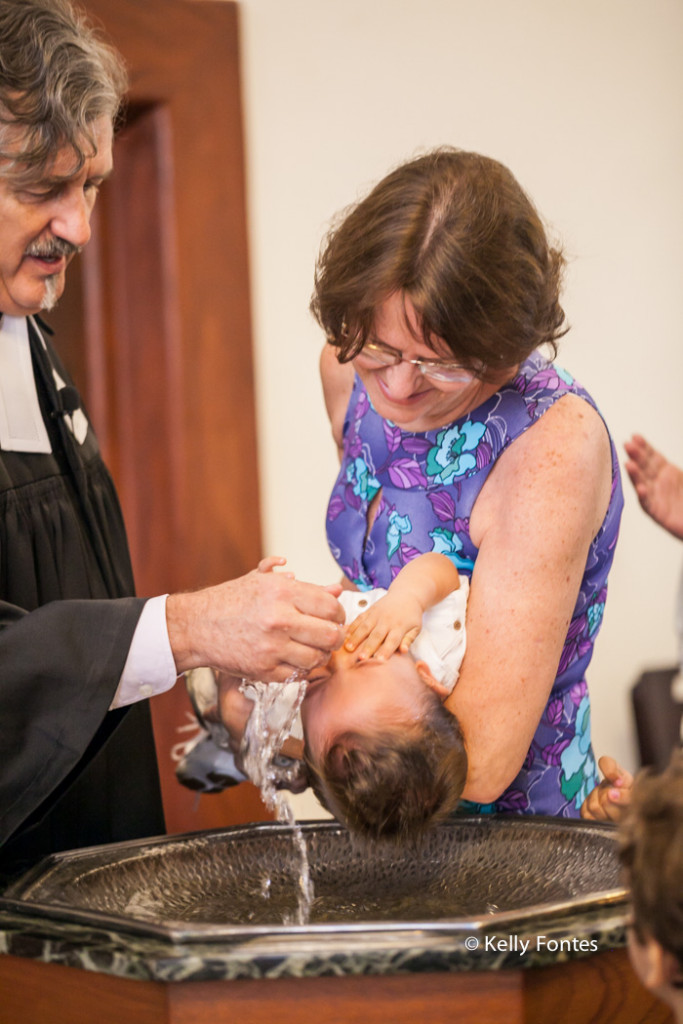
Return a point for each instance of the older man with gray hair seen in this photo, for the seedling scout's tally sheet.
(78, 650)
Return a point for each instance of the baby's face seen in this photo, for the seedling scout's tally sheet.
(351, 695)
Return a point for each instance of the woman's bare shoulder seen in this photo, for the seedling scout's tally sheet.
(571, 431)
(565, 454)
(337, 382)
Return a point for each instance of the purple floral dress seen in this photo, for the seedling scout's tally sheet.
(429, 483)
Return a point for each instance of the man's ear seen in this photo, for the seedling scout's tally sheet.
(426, 676)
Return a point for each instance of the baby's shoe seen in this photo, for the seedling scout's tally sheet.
(206, 767)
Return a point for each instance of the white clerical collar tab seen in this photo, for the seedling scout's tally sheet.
(21, 422)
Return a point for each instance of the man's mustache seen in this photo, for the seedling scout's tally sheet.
(53, 249)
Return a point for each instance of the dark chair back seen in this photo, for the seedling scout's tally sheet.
(658, 713)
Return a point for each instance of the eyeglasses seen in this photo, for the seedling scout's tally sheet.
(374, 352)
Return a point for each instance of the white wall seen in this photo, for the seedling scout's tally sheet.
(583, 100)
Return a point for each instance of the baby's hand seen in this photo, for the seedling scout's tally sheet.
(389, 625)
(608, 801)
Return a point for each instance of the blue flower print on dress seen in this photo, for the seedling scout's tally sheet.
(445, 542)
(564, 375)
(470, 807)
(513, 801)
(355, 574)
(453, 454)
(398, 525)
(550, 377)
(542, 388)
(361, 479)
(578, 763)
(594, 613)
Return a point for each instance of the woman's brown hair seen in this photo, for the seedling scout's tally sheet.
(456, 234)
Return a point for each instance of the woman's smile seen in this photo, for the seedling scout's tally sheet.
(401, 393)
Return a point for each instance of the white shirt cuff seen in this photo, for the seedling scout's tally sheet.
(150, 667)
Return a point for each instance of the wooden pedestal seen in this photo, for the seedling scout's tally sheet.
(597, 989)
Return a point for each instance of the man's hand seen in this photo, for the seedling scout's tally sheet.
(264, 625)
(612, 796)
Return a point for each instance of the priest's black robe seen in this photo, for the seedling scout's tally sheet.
(72, 773)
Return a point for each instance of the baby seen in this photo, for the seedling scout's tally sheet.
(382, 752)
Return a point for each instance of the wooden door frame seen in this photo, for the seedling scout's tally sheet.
(163, 347)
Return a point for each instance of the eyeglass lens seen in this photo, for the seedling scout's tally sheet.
(436, 371)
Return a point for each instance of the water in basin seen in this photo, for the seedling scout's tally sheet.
(246, 876)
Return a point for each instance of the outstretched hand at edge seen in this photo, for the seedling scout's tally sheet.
(658, 484)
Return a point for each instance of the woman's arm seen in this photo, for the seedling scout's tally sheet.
(337, 381)
(533, 523)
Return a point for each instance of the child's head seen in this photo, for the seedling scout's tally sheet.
(652, 853)
(385, 756)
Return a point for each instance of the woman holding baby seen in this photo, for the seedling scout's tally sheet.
(438, 294)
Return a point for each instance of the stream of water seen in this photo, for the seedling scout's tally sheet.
(268, 727)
